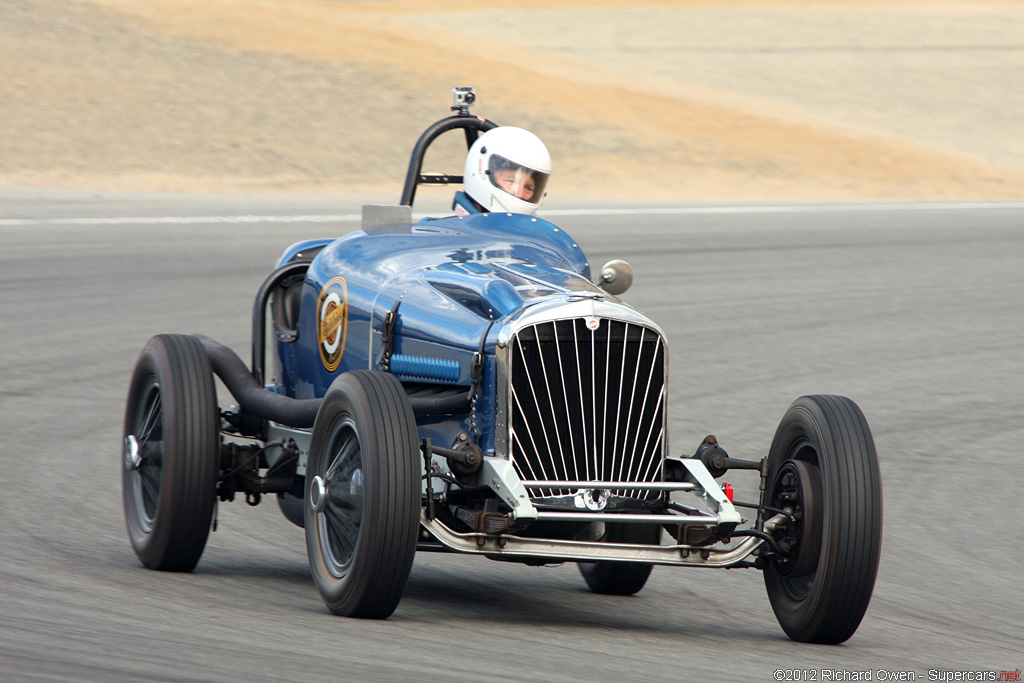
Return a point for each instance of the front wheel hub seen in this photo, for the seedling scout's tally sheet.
(798, 489)
(318, 494)
(132, 456)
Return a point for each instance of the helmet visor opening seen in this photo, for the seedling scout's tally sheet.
(519, 181)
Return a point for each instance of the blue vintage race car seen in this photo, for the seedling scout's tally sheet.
(467, 384)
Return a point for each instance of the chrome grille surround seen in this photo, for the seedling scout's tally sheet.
(582, 385)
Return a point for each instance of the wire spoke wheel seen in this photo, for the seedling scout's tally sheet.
(144, 455)
(362, 502)
(823, 471)
(798, 489)
(170, 452)
(343, 506)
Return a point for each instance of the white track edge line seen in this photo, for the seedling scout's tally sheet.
(664, 211)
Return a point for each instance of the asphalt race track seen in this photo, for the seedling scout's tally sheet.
(915, 311)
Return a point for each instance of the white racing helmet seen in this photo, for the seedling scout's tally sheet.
(507, 169)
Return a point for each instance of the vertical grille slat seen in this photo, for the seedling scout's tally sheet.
(629, 414)
(546, 351)
(593, 409)
(579, 379)
(565, 401)
(538, 421)
(643, 407)
(587, 404)
(618, 413)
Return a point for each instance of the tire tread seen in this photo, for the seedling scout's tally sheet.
(388, 536)
(851, 547)
(187, 496)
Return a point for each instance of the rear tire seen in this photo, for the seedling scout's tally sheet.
(823, 464)
(362, 502)
(621, 578)
(170, 453)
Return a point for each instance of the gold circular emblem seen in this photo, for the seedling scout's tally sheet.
(332, 322)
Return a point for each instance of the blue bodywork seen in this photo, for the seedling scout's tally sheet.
(454, 281)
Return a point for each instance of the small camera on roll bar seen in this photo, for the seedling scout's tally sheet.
(463, 98)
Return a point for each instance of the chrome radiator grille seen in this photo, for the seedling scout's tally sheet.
(587, 404)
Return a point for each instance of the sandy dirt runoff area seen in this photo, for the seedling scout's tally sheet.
(727, 99)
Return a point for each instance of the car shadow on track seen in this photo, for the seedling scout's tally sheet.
(557, 599)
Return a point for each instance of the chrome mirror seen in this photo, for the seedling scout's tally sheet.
(616, 277)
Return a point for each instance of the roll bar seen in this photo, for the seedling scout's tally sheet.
(471, 125)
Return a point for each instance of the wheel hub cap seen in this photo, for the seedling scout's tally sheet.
(132, 456)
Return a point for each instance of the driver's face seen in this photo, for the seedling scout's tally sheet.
(517, 183)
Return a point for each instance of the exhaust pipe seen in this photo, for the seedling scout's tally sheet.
(251, 396)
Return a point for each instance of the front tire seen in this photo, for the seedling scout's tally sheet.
(621, 578)
(170, 451)
(822, 465)
(362, 502)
